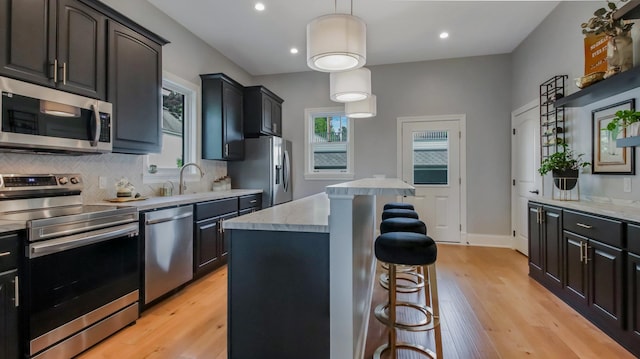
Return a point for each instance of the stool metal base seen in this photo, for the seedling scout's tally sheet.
(402, 345)
(428, 323)
(416, 279)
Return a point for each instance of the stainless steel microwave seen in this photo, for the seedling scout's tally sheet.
(41, 119)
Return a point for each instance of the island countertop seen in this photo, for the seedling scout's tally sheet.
(372, 187)
(308, 214)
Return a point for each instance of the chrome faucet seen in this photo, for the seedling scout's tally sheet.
(182, 186)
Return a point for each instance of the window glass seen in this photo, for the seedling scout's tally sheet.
(173, 110)
(431, 157)
(329, 144)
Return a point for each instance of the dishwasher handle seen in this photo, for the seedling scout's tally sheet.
(168, 219)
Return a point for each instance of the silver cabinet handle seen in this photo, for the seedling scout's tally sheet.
(253, 201)
(226, 149)
(584, 225)
(17, 292)
(64, 73)
(581, 252)
(4, 254)
(55, 70)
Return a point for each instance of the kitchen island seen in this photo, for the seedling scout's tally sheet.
(301, 274)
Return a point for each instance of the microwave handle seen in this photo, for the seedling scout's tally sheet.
(96, 115)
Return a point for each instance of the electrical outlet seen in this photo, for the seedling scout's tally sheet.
(102, 182)
(627, 184)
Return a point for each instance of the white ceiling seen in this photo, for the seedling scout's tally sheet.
(397, 30)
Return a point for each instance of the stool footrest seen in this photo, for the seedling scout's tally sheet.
(402, 345)
(416, 280)
(428, 323)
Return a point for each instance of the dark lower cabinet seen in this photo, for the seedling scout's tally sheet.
(545, 244)
(590, 267)
(9, 302)
(135, 79)
(210, 245)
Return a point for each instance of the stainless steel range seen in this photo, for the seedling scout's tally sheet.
(81, 272)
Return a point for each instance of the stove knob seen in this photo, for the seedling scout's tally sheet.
(74, 180)
(63, 180)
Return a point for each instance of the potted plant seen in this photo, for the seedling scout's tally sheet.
(619, 48)
(564, 166)
(623, 119)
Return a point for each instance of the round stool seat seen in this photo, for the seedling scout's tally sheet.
(398, 212)
(403, 224)
(398, 205)
(406, 248)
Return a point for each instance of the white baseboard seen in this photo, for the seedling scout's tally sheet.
(487, 240)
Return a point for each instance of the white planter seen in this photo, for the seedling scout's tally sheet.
(633, 129)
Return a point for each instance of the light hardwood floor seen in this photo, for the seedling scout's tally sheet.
(490, 309)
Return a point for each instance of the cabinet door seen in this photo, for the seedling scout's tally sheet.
(81, 49)
(206, 245)
(233, 138)
(276, 118)
(8, 316)
(267, 116)
(223, 242)
(135, 80)
(575, 269)
(633, 296)
(552, 246)
(27, 40)
(605, 282)
(535, 239)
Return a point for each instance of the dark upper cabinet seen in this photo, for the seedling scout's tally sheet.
(222, 118)
(262, 112)
(135, 81)
(56, 43)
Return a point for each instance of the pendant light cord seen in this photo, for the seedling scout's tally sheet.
(335, 7)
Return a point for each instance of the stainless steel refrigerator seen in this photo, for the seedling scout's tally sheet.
(266, 166)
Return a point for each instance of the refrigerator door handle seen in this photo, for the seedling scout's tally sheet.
(278, 168)
(286, 171)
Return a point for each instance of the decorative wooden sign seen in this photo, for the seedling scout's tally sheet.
(595, 53)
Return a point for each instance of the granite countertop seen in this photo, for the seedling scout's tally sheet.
(372, 187)
(624, 212)
(308, 214)
(152, 203)
(160, 202)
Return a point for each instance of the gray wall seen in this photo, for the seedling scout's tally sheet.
(554, 48)
(477, 86)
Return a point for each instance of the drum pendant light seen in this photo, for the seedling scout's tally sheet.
(336, 42)
(361, 109)
(348, 86)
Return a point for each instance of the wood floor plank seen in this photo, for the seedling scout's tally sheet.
(490, 309)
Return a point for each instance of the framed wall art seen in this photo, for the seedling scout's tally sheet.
(606, 157)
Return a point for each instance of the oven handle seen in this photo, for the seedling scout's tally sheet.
(79, 240)
(128, 219)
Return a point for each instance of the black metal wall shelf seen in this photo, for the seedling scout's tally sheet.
(552, 116)
(606, 88)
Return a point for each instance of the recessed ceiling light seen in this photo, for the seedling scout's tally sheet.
(259, 6)
(293, 50)
(444, 35)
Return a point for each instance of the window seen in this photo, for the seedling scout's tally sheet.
(178, 130)
(431, 157)
(328, 144)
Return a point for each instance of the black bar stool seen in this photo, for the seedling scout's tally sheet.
(398, 205)
(399, 212)
(407, 248)
(409, 278)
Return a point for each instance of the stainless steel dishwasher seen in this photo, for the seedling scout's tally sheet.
(168, 253)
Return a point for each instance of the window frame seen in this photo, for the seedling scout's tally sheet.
(191, 94)
(309, 174)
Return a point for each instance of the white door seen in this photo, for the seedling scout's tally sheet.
(431, 163)
(525, 160)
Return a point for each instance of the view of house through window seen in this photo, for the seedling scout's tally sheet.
(430, 157)
(173, 121)
(329, 144)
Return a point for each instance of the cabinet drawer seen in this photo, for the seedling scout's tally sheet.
(633, 238)
(9, 247)
(252, 200)
(216, 208)
(604, 230)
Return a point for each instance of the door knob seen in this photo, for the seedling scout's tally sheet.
(534, 192)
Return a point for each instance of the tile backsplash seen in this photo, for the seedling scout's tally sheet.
(112, 166)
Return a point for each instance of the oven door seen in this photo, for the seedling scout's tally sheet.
(76, 281)
(40, 118)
